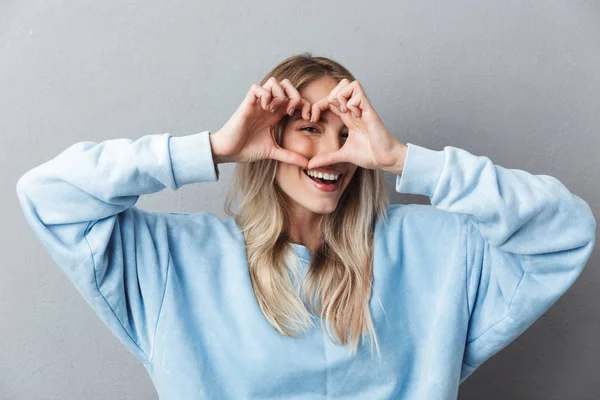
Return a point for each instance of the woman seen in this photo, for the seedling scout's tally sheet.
(226, 308)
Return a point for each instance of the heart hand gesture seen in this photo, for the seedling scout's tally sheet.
(369, 144)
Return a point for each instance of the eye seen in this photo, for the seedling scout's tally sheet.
(308, 127)
(312, 127)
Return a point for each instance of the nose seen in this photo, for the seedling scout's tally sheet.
(329, 143)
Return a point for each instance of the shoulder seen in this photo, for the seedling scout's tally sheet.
(424, 227)
(184, 227)
(201, 223)
(422, 218)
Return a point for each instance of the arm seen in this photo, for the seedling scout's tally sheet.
(526, 237)
(81, 206)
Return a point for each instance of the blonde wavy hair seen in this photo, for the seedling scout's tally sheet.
(339, 276)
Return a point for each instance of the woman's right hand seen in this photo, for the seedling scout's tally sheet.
(247, 135)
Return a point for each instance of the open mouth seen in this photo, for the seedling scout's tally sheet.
(327, 184)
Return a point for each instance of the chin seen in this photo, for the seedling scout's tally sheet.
(325, 209)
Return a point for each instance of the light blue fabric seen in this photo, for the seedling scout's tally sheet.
(454, 282)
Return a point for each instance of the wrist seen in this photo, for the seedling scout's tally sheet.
(399, 152)
(219, 157)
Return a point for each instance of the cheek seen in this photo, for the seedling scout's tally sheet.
(352, 173)
(297, 147)
(285, 173)
(294, 141)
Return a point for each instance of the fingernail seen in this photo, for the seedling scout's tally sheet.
(291, 112)
(340, 108)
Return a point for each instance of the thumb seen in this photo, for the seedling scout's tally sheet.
(288, 156)
(327, 159)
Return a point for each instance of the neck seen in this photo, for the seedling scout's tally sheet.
(303, 229)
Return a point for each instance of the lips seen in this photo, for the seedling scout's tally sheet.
(340, 175)
(336, 181)
(325, 187)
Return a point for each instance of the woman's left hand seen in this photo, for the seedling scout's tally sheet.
(369, 144)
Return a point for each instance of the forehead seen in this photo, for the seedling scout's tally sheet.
(317, 89)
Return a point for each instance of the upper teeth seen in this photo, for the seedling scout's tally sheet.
(331, 177)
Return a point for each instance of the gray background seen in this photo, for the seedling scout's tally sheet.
(516, 81)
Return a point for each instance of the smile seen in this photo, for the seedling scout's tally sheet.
(325, 185)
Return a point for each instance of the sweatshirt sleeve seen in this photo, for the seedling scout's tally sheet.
(81, 206)
(526, 239)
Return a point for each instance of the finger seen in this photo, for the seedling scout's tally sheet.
(350, 92)
(295, 99)
(342, 101)
(280, 97)
(288, 156)
(353, 107)
(336, 111)
(333, 96)
(278, 94)
(266, 98)
(343, 115)
(306, 109)
(334, 157)
(358, 99)
(260, 93)
(316, 109)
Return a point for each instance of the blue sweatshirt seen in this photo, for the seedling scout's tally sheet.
(454, 282)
